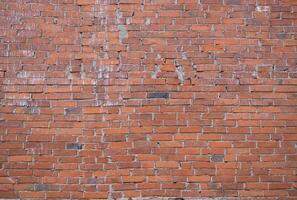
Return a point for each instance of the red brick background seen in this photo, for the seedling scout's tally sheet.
(148, 98)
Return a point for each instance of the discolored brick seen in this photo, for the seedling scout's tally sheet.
(41, 187)
(158, 95)
(76, 146)
(217, 158)
(69, 111)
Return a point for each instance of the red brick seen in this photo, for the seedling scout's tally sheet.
(92, 110)
(133, 179)
(200, 28)
(198, 179)
(167, 164)
(32, 194)
(95, 195)
(20, 158)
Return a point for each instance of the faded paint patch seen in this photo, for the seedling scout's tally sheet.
(82, 71)
(34, 110)
(147, 21)
(33, 75)
(155, 72)
(263, 8)
(123, 33)
(68, 72)
(111, 103)
(28, 53)
(184, 56)
(23, 103)
(103, 72)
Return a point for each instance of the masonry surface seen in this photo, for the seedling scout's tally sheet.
(148, 99)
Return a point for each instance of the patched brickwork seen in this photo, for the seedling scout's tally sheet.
(147, 99)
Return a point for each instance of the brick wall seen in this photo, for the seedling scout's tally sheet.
(148, 98)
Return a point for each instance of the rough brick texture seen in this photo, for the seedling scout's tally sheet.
(148, 98)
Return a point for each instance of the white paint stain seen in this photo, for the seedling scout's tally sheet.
(147, 21)
(35, 110)
(36, 80)
(111, 103)
(155, 72)
(180, 74)
(13, 102)
(30, 74)
(263, 8)
(82, 71)
(184, 55)
(68, 72)
(123, 33)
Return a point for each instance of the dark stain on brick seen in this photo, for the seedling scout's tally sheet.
(213, 186)
(33, 110)
(154, 95)
(92, 181)
(72, 111)
(282, 36)
(217, 158)
(41, 187)
(76, 146)
(233, 2)
(10, 124)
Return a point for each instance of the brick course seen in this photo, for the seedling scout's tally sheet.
(147, 99)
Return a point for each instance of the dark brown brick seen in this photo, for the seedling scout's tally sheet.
(217, 158)
(158, 95)
(76, 146)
